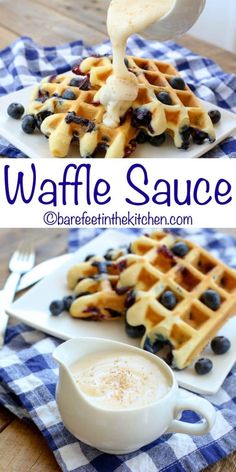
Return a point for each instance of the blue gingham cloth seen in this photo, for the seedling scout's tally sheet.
(24, 63)
(28, 378)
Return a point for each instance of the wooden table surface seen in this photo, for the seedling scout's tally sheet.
(22, 447)
(58, 21)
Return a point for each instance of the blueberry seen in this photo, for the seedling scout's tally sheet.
(157, 140)
(142, 137)
(122, 265)
(165, 98)
(76, 81)
(41, 116)
(68, 302)
(186, 132)
(211, 299)
(134, 332)
(185, 135)
(57, 307)
(127, 62)
(141, 117)
(149, 346)
(88, 257)
(220, 345)
(180, 249)
(122, 290)
(177, 83)
(28, 124)
(199, 136)
(130, 250)
(101, 148)
(131, 299)
(68, 95)
(86, 84)
(101, 266)
(155, 346)
(215, 116)
(168, 300)
(82, 82)
(76, 69)
(113, 313)
(185, 145)
(15, 110)
(203, 366)
(42, 96)
(109, 254)
(169, 358)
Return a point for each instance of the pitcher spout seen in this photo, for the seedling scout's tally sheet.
(57, 355)
(71, 351)
(66, 353)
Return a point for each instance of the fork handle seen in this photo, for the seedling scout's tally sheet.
(6, 297)
(10, 287)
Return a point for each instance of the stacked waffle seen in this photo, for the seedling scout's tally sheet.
(94, 283)
(67, 110)
(174, 293)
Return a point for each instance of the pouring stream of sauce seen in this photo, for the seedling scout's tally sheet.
(126, 17)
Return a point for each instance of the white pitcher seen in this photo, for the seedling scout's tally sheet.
(122, 431)
(178, 20)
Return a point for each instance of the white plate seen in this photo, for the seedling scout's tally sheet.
(36, 146)
(32, 309)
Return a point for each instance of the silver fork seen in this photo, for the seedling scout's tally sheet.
(21, 262)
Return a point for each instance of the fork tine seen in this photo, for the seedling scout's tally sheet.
(25, 250)
(24, 254)
(15, 255)
(31, 256)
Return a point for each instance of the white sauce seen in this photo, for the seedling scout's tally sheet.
(116, 381)
(126, 17)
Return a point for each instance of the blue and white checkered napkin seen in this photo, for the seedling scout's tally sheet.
(25, 62)
(28, 378)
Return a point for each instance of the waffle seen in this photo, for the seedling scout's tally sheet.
(184, 116)
(80, 120)
(94, 284)
(186, 329)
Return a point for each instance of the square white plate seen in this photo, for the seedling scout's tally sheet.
(32, 309)
(36, 146)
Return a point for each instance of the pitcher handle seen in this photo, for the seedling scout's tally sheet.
(199, 406)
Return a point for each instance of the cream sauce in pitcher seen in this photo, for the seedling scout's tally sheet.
(126, 17)
(116, 381)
